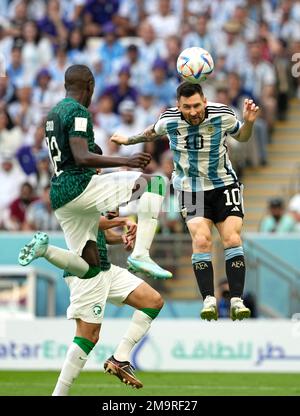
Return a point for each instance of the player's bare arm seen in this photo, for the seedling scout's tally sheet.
(84, 158)
(148, 135)
(250, 114)
(128, 238)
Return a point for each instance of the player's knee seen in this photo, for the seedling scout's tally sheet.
(202, 243)
(232, 240)
(157, 301)
(94, 338)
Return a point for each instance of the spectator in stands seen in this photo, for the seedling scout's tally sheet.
(15, 69)
(237, 94)
(6, 91)
(277, 220)
(76, 47)
(105, 117)
(130, 13)
(26, 155)
(163, 88)
(165, 23)
(21, 111)
(36, 51)
(294, 209)
(111, 51)
(96, 14)
(129, 125)
(283, 76)
(11, 178)
(122, 90)
(138, 68)
(40, 216)
(260, 78)
(151, 48)
(201, 36)
(53, 25)
(10, 135)
(17, 209)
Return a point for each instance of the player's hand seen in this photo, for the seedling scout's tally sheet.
(119, 139)
(139, 160)
(250, 110)
(129, 237)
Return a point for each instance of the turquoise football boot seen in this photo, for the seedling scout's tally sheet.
(148, 267)
(36, 248)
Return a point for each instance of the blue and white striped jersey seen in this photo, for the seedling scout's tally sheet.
(200, 153)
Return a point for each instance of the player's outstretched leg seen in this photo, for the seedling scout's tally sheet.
(36, 248)
(64, 259)
(209, 310)
(123, 370)
(238, 310)
(148, 210)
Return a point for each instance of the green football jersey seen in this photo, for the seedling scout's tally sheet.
(68, 119)
(102, 249)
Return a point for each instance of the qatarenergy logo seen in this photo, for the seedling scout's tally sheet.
(47, 350)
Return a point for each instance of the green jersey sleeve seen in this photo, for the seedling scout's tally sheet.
(80, 124)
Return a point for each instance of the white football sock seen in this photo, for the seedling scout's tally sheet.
(67, 260)
(73, 364)
(139, 326)
(148, 211)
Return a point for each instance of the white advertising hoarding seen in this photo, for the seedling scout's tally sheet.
(187, 345)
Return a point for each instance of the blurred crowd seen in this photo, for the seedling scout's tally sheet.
(131, 47)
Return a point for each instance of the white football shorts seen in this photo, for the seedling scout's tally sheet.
(88, 297)
(79, 219)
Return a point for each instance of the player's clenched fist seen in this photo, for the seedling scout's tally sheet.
(118, 139)
(139, 160)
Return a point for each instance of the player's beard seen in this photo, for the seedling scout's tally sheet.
(195, 121)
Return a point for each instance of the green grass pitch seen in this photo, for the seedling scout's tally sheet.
(41, 383)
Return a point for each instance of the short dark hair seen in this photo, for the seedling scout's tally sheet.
(77, 76)
(187, 89)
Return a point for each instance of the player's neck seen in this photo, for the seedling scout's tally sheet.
(77, 96)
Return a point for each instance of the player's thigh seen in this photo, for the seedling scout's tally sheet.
(107, 192)
(78, 227)
(144, 296)
(88, 297)
(230, 231)
(122, 285)
(200, 228)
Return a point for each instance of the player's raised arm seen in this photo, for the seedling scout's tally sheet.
(148, 135)
(250, 113)
(84, 158)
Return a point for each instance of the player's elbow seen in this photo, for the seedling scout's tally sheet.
(81, 161)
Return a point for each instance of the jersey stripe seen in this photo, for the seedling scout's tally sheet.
(214, 153)
(193, 158)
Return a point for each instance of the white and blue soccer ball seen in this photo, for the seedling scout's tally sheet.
(194, 64)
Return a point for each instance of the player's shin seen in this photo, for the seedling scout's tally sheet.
(235, 270)
(71, 262)
(203, 270)
(139, 326)
(148, 210)
(76, 358)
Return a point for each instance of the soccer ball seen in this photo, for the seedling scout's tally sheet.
(194, 64)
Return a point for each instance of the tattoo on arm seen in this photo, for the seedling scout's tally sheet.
(147, 135)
